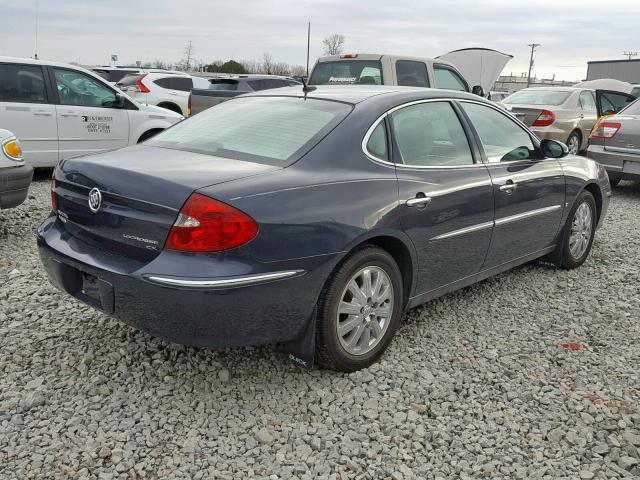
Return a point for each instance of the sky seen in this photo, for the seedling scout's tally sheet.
(570, 32)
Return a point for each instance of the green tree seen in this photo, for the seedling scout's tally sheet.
(227, 67)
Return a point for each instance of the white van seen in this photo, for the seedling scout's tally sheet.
(59, 111)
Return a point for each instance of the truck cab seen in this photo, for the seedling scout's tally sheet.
(379, 69)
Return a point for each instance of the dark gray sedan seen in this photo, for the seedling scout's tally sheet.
(313, 217)
(615, 144)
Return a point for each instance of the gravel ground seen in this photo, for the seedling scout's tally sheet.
(531, 374)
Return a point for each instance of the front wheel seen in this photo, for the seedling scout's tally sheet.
(578, 233)
(359, 311)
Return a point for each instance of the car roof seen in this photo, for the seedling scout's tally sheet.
(558, 88)
(359, 93)
(379, 56)
(33, 61)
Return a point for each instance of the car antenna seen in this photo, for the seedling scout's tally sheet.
(307, 88)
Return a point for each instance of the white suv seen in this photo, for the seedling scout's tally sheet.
(166, 90)
(58, 111)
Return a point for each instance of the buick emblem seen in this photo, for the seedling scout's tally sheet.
(95, 200)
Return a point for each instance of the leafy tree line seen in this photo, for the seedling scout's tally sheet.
(332, 45)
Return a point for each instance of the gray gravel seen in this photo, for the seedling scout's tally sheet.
(532, 374)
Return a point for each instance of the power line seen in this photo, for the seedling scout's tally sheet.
(533, 49)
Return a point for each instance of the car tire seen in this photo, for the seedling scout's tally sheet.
(614, 179)
(574, 142)
(578, 233)
(353, 331)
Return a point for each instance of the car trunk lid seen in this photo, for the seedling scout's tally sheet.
(527, 114)
(141, 190)
(627, 139)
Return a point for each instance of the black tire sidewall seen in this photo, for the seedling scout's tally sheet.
(579, 139)
(567, 260)
(328, 340)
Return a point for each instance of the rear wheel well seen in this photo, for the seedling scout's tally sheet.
(594, 190)
(170, 106)
(578, 132)
(400, 253)
(149, 133)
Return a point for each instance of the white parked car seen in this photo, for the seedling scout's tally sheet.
(15, 175)
(58, 111)
(166, 90)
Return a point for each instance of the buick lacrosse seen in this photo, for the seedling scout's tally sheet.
(312, 217)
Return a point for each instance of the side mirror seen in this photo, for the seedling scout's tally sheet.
(121, 102)
(553, 149)
(478, 90)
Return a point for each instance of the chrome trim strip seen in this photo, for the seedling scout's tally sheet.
(496, 223)
(223, 282)
(387, 163)
(462, 231)
(530, 213)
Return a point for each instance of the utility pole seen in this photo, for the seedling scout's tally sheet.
(308, 45)
(630, 55)
(533, 49)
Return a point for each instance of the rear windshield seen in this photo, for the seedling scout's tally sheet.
(632, 109)
(347, 72)
(538, 97)
(224, 85)
(112, 75)
(271, 130)
(128, 81)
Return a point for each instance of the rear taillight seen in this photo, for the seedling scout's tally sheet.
(54, 199)
(545, 119)
(207, 225)
(189, 106)
(140, 86)
(606, 130)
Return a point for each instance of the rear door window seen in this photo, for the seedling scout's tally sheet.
(347, 72)
(271, 130)
(587, 102)
(377, 143)
(22, 84)
(411, 74)
(449, 79)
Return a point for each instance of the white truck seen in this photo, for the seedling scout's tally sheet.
(469, 70)
(58, 111)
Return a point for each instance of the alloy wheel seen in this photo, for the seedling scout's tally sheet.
(581, 229)
(573, 144)
(365, 310)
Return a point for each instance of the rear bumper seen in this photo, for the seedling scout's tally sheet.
(266, 304)
(620, 164)
(14, 185)
(551, 133)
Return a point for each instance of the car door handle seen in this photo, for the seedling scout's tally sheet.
(508, 187)
(68, 114)
(43, 113)
(418, 201)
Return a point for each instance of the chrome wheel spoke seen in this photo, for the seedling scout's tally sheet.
(581, 230)
(357, 293)
(354, 338)
(365, 310)
(348, 325)
(350, 308)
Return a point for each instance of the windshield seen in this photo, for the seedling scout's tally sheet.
(271, 130)
(632, 109)
(538, 97)
(347, 72)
